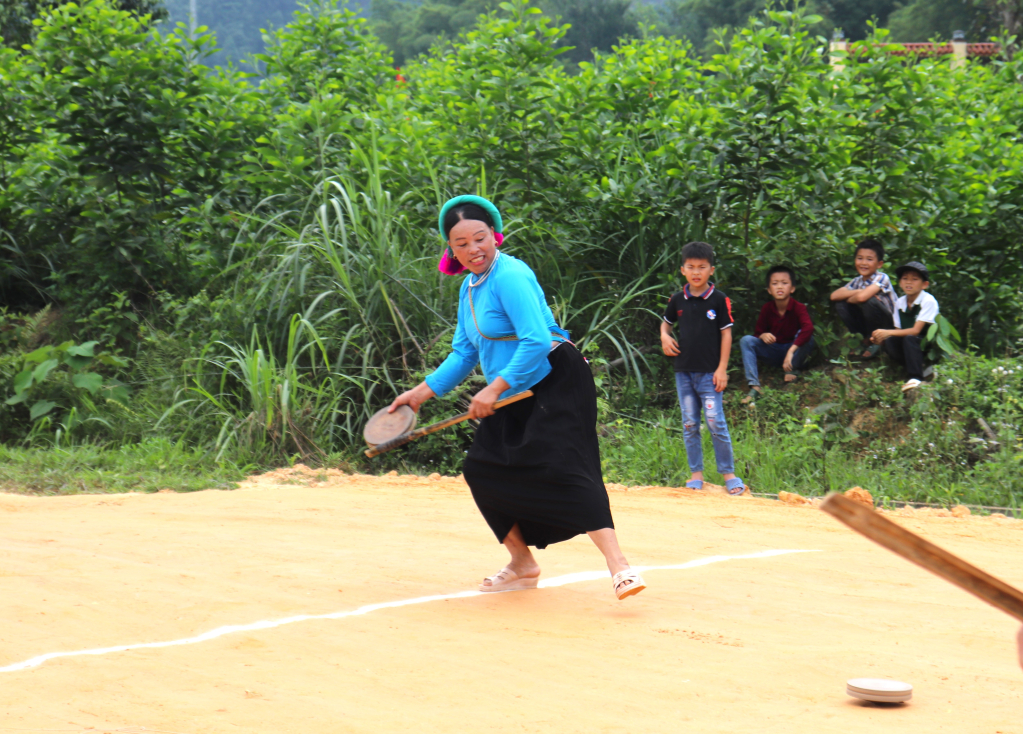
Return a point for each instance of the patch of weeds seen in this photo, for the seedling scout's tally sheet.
(148, 466)
(955, 440)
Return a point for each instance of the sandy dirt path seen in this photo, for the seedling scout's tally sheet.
(745, 645)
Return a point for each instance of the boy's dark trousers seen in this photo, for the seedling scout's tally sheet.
(864, 318)
(906, 350)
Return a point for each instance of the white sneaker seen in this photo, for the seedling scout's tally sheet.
(911, 385)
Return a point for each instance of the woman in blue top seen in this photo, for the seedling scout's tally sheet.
(534, 465)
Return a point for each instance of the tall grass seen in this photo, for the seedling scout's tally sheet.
(356, 311)
(286, 407)
(358, 272)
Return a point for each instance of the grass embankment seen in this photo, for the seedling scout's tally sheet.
(956, 440)
(145, 467)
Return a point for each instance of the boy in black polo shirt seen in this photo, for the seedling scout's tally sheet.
(704, 318)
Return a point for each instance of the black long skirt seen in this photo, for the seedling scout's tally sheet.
(536, 462)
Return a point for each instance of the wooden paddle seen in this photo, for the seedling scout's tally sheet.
(411, 436)
(922, 552)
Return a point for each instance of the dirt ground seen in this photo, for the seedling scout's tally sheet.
(763, 643)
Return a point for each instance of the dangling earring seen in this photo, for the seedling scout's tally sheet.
(451, 253)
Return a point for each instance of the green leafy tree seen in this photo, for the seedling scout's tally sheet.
(492, 99)
(15, 125)
(128, 145)
(324, 70)
(697, 19)
(760, 145)
(16, 133)
(17, 16)
(116, 100)
(1007, 13)
(854, 16)
(593, 25)
(915, 21)
(326, 49)
(926, 19)
(410, 30)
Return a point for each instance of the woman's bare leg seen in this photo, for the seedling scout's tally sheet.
(607, 542)
(522, 563)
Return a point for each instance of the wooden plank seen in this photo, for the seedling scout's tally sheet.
(924, 553)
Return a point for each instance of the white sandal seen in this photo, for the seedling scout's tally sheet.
(627, 582)
(508, 580)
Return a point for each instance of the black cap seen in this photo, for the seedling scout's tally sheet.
(913, 265)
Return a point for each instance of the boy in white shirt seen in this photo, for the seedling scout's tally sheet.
(914, 311)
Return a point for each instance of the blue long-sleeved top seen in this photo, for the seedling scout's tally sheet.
(508, 302)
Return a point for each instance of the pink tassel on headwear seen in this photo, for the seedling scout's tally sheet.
(450, 265)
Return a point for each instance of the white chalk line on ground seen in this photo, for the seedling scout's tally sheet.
(570, 578)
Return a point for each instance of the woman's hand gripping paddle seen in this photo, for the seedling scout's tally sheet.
(382, 423)
(922, 552)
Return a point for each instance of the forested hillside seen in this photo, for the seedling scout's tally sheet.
(211, 271)
(410, 27)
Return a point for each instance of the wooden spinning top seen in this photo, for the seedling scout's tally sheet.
(879, 690)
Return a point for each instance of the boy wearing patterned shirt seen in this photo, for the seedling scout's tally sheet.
(704, 317)
(914, 312)
(867, 302)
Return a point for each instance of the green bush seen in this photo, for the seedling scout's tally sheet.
(263, 251)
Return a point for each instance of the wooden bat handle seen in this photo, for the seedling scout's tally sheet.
(418, 433)
(511, 399)
(924, 553)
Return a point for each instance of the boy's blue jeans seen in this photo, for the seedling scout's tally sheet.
(753, 348)
(695, 394)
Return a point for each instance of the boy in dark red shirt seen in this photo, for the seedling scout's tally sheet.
(783, 335)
